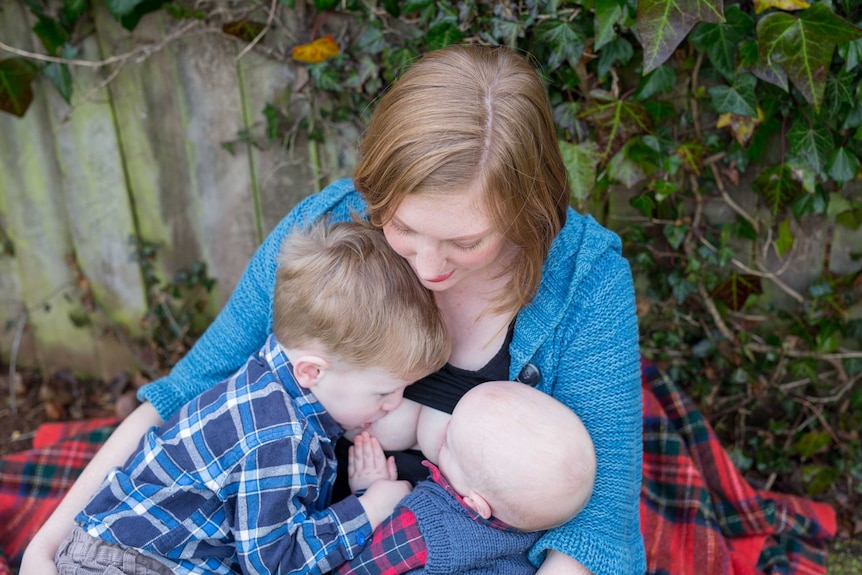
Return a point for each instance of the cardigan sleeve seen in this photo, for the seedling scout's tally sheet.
(598, 376)
(246, 319)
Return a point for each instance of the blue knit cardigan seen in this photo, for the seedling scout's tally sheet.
(579, 335)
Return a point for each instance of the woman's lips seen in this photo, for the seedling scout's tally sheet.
(442, 278)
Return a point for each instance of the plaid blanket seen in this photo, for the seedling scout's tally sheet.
(700, 517)
(698, 514)
(33, 482)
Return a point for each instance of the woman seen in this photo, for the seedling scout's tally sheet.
(462, 172)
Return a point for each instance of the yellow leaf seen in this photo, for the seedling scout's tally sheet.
(317, 51)
(762, 5)
(742, 127)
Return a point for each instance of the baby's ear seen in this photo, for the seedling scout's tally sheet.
(479, 504)
(308, 369)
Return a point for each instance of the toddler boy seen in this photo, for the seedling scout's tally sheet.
(240, 479)
(513, 463)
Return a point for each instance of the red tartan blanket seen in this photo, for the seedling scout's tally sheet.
(33, 482)
(698, 515)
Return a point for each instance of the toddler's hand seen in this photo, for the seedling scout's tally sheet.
(380, 499)
(366, 463)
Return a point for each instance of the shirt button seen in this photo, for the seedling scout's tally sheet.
(530, 375)
(360, 539)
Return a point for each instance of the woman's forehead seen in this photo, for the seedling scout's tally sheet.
(449, 216)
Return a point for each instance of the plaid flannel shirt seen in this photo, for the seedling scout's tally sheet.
(397, 545)
(238, 481)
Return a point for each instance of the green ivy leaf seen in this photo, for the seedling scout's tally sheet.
(750, 62)
(815, 202)
(371, 40)
(813, 144)
(819, 478)
(778, 187)
(61, 77)
(659, 81)
(837, 204)
(720, 41)
(812, 442)
(565, 41)
(784, 241)
(325, 77)
(324, 5)
(129, 12)
(802, 46)
(624, 170)
(608, 15)
(663, 24)
(119, 8)
(245, 30)
(735, 290)
(442, 35)
(680, 286)
(393, 7)
(851, 52)
(840, 93)
(16, 90)
(738, 98)
(620, 50)
(644, 204)
(616, 121)
(842, 165)
(51, 34)
(581, 161)
(691, 154)
(850, 219)
(415, 5)
(72, 11)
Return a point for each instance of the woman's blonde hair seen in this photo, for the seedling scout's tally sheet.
(466, 116)
(342, 286)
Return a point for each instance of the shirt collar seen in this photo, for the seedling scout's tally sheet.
(438, 478)
(305, 401)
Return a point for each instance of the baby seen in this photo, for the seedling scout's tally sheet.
(513, 463)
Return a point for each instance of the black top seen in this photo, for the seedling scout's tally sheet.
(442, 389)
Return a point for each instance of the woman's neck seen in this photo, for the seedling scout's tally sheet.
(476, 331)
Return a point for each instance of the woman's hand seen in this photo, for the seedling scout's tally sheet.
(39, 556)
(557, 563)
(366, 463)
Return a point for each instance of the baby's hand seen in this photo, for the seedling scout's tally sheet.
(381, 498)
(367, 463)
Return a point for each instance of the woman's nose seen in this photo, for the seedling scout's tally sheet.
(429, 263)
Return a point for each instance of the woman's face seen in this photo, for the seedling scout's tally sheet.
(447, 239)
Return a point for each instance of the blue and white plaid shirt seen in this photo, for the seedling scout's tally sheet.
(238, 481)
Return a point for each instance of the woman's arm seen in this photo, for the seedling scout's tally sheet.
(39, 556)
(557, 563)
(597, 374)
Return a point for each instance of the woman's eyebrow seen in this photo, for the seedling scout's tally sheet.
(468, 237)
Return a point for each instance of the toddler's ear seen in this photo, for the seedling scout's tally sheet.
(479, 504)
(308, 369)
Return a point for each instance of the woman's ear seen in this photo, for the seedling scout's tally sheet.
(308, 369)
(479, 504)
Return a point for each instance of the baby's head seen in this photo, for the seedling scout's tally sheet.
(518, 454)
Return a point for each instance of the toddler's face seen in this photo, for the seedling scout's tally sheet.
(356, 398)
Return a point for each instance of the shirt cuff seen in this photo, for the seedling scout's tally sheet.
(353, 524)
